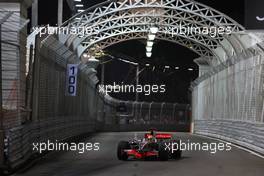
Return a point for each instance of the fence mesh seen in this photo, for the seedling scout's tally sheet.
(13, 67)
(230, 104)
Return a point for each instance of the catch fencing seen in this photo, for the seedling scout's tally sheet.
(229, 104)
(13, 70)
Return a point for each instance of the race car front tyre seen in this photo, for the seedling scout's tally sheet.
(163, 154)
(122, 145)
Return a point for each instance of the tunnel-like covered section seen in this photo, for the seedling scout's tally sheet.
(227, 100)
(227, 97)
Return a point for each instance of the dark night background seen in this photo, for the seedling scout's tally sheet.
(164, 53)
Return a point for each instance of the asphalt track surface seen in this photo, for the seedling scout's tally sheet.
(236, 162)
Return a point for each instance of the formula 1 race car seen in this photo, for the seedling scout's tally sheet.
(152, 146)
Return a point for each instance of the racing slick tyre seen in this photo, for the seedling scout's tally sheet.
(163, 154)
(122, 145)
(178, 153)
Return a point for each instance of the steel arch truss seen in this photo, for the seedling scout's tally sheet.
(115, 21)
(120, 35)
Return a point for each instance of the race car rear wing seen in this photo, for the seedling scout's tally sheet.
(159, 136)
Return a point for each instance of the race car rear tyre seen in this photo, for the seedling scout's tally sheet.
(122, 145)
(163, 154)
(177, 154)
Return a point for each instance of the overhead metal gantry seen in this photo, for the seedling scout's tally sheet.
(116, 21)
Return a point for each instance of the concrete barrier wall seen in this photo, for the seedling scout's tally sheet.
(229, 104)
(19, 142)
(247, 134)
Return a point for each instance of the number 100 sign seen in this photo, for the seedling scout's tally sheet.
(71, 79)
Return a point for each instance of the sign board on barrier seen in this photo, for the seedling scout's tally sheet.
(71, 79)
